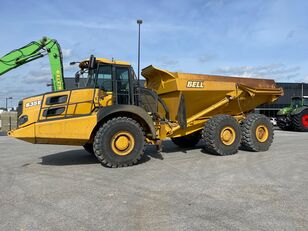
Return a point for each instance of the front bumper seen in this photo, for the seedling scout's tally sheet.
(25, 133)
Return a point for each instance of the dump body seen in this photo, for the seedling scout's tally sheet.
(218, 94)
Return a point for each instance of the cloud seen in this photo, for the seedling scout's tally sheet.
(42, 74)
(276, 71)
(66, 53)
(206, 58)
(38, 76)
(119, 25)
(167, 62)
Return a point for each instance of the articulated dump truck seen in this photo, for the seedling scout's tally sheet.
(113, 117)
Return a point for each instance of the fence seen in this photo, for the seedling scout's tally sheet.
(8, 121)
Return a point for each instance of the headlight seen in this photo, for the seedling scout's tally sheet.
(23, 119)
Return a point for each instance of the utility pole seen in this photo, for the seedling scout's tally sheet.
(139, 22)
(6, 102)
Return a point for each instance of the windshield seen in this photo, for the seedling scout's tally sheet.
(100, 78)
(306, 101)
(296, 102)
(90, 82)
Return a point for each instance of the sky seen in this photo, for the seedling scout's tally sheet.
(259, 38)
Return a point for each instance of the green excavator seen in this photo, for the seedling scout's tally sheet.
(35, 50)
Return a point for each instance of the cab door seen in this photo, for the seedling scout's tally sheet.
(123, 85)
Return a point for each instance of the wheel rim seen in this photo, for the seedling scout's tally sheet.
(305, 120)
(227, 135)
(262, 133)
(122, 143)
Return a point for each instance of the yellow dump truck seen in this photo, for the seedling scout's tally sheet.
(113, 117)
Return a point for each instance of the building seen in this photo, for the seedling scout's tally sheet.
(290, 90)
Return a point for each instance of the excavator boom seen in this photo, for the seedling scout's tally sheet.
(35, 50)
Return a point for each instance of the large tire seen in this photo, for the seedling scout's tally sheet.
(188, 141)
(89, 148)
(300, 121)
(222, 135)
(283, 125)
(119, 142)
(257, 133)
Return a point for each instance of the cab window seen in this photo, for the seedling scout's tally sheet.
(104, 78)
(123, 88)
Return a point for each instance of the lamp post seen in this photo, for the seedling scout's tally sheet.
(6, 102)
(139, 22)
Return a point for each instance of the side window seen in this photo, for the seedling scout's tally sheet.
(122, 79)
(104, 78)
(123, 86)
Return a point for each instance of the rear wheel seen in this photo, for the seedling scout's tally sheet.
(257, 133)
(119, 142)
(188, 141)
(300, 121)
(222, 135)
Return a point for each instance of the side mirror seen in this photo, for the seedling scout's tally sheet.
(92, 62)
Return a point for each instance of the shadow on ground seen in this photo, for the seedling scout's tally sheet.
(81, 157)
(72, 157)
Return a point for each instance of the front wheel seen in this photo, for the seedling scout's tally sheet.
(119, 142)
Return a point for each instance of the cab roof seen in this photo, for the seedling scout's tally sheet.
(85, 63)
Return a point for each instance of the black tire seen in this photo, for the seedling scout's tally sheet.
(283, 126)
(89, 148)
(188, 141)
(211, 135)
(249, 126)
(300, 121)
(103, 146)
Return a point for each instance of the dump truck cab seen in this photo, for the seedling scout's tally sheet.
(110, 76)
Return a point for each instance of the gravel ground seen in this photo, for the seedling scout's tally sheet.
(49, 187)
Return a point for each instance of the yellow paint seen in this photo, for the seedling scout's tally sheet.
(262, 133)
(77, 128)
(228, 135)
(207, 95)
(31, 111)
(84, 64)
(122, 143)
(24, 133)
(204, 97)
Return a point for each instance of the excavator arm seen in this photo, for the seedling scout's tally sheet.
(35, 50)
